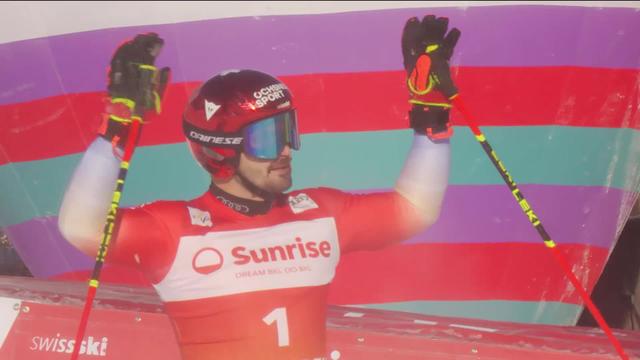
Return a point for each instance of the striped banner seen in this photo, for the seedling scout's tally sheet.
(555, 89)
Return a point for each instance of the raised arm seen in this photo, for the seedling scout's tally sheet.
(426, 49)
(372, 221)
(134, 88)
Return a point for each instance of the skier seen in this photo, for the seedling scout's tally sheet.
(244, 269)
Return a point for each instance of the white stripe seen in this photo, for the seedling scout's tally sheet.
(354, 315)
(473, 328)
(425, 322)
(34, 19)
(9, 310)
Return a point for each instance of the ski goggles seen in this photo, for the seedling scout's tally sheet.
(265, 139)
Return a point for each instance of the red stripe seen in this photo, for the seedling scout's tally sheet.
(351, 102)
(111, 273)
(439, 272)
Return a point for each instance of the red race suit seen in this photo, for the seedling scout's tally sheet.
(255, 287)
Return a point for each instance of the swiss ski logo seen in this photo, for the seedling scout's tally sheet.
(301, 203)
(210, 108)
(199, 217)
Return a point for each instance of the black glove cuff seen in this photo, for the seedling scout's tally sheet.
(432, 121)
(116, 132)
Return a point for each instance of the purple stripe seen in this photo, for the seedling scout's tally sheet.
(43, 249)
(345, 42)
(470, 214)
(490, 214)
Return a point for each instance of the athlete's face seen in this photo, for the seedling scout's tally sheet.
(273, 176)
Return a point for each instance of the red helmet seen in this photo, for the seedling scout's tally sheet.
(216, 119)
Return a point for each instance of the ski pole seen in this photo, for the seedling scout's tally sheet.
(537, 224)
(107, 233)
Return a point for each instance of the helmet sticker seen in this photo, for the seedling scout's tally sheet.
(268, 94)
(210, 108)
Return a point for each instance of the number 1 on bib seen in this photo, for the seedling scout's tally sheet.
(279, 315)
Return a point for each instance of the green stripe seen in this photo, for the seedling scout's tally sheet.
(351, 161)
(157, 172)
(533, 155)
(550, 313)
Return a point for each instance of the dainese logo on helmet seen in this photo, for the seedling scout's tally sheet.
(221, 140)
